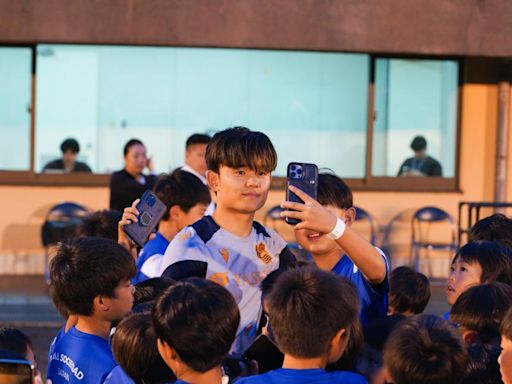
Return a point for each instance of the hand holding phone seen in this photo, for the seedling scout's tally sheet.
(305, 177)
(150, 211)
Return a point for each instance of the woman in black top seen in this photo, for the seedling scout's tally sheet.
(129, 184)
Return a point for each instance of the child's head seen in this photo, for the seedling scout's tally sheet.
(91, 277)
(100, 224)
(195, 151)
(478, 262)
(134, 348)
(482, 367)
(424, 349)
(240, 163)
(311, 312)
(505, 359)
(409, 291)
(497, 227)
(15, 341)
(195, 321)
(479, 311)
(184, 195)
(148, 290)
(337, 197)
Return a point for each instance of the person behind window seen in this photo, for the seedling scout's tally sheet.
(129, 183)
(67, 163)
(421, 164)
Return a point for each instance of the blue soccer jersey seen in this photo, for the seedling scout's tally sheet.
(150, 259)
(237, 263)
(118, 376)
(373, 298)
(303, 376)
(80, 357)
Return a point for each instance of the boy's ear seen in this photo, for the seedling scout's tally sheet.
(470, 337)
(338, 345)
(99, 304)
(168, 354)
(350, 216)
(175, 212)
(213, 180)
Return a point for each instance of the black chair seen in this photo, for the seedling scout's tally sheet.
(363, 215)
(60, 225)
(422, 220)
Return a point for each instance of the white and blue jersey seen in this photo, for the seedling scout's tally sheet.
(237, 263)
(373, 298)
(79, 357)
(303, 376)
(150, 259)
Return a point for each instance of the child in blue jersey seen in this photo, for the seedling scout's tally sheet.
(195, 322)
(91, 278)
(186, 199)
(424, 349)
(310, 312)
(324, 231)
(229, 247)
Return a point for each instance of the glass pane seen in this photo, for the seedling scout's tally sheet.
(15, 100)
(415, 117)
(312, 105)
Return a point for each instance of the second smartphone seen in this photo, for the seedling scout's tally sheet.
(303, 176)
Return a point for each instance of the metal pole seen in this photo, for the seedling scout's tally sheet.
(500, 191)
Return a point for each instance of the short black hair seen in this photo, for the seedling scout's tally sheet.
(181, 188)
(482, 309)
(506, 325)
(332, 190)
(70, 145)
(494, 258)
(482, 367)
(150, 289)
(135, 349)
(409, 290)
(497, 227)
(87, 267)
(240, 147)
(419, 143)
(425, 349)
(197, 138)
(308, 307)
(130, 144)
(15, 341)
(198, 319)
(102, 223)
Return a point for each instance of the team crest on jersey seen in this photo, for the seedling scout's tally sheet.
(263, 254)
(225, 254)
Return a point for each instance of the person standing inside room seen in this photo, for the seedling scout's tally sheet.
(67, 163)
(421, 164)
(130, 183)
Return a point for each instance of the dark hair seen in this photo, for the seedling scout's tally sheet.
(134, 348)
(70, 145)
(197, 138)
(506, 325)
(332, 190)
(240, 147)
(408, 290)
(497, 227)
(100, 224)
(482, 308)
(419, 143)
(130, 144)
(198, 319)
(181, 188)
(482, 367)
(85, 268)
(354, 346)
(425, 349)
(269, 281)
(148, 290)
(307, 307)
(15, 341)
(495, 260)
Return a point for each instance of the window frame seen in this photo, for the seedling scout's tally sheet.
(368, 182)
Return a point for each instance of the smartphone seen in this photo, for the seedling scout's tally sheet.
(303, 176)
(14, 371)
(266, 353)
(151, 209)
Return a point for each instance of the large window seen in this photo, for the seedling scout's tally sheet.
(315, 107)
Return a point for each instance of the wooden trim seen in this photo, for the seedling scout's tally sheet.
(53, 180)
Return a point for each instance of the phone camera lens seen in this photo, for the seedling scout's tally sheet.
(151, 200)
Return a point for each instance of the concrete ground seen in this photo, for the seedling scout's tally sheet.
(25, 304)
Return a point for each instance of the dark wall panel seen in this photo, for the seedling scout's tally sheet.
(445, 27)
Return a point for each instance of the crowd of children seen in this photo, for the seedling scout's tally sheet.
(221, 298)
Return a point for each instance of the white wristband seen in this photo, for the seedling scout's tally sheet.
(338, 230)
